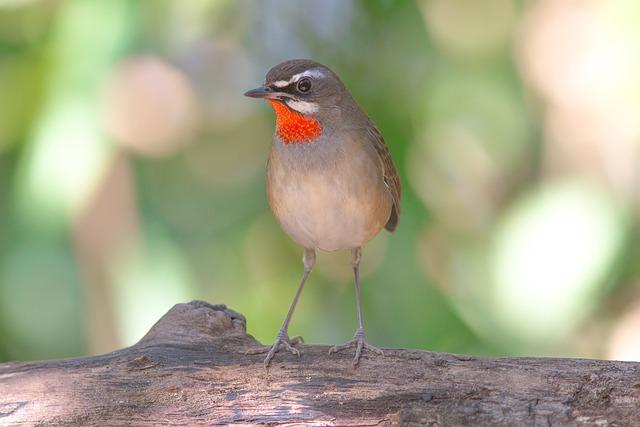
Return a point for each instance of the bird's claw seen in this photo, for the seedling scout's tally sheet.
(282, 341)
(360, 342)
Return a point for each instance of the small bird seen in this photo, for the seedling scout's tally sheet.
(331, 182)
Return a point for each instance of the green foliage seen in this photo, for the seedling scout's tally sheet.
(132, 172)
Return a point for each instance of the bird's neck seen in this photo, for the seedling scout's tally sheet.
(293, 127)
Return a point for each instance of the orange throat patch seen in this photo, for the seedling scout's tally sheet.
(293, 127)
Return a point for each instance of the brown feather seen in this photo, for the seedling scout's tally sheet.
(391, 178)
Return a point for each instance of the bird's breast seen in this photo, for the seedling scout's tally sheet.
(329, 194)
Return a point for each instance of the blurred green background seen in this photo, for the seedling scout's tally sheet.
(132, 172)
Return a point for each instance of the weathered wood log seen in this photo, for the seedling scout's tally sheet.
(191, 369)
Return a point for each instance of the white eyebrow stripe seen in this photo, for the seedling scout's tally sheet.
(314, 72)
(308, 73)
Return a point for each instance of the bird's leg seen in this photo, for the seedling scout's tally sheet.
(282, 339)
(359, 339)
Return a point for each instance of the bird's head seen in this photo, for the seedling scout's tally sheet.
(303, 93)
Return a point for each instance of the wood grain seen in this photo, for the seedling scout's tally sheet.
(190, 369)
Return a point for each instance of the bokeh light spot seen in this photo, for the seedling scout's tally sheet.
(149, 107)
(551, 252)
(470, 27)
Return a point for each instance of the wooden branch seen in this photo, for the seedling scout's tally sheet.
(190, 369)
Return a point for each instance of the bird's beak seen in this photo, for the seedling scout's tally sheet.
(261, 92)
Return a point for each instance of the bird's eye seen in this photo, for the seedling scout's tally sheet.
(304, 85)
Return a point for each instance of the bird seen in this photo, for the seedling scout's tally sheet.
(331, 181)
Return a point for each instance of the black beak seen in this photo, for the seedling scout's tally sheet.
(260, 92)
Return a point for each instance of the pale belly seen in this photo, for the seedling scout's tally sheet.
(341, 205)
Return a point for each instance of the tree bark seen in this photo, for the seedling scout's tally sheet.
(191, 369)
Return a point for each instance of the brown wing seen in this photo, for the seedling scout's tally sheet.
(391, 178)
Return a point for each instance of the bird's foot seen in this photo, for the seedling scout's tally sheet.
(282, 341)
(360, 343)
